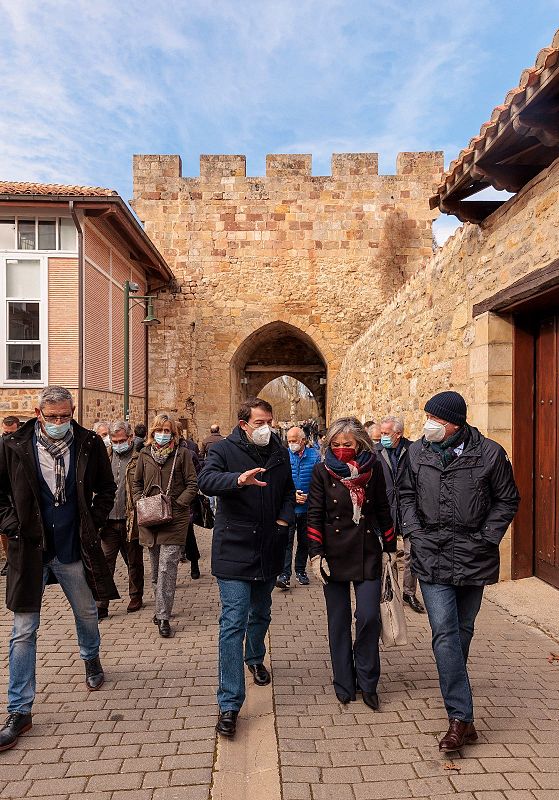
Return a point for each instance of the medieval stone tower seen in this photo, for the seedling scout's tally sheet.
(278, 274)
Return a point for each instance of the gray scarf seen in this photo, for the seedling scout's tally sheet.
(57, 448)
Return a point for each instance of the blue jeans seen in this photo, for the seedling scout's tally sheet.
(23, 642)
(245, 617)
(302, 552)
(452, 614)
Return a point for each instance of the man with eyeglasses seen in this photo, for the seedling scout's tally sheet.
(56, 492)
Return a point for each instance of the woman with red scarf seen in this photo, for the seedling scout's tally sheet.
(349, 527)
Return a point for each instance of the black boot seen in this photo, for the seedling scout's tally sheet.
(194, 570)
(371, 699)
(164, 628)
(15, 725)
(94, 675)
(227, 723)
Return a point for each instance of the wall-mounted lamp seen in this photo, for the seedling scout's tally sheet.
(150, 319)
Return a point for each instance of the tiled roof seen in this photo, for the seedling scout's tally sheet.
(531, 80)
(16, 187)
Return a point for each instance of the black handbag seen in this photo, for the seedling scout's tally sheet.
(202, 514)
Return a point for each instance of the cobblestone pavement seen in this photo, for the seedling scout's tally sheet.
(149, 733)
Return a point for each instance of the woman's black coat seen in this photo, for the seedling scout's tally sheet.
(353, 552)
(21, 520)
(247, 542)
(457, 515)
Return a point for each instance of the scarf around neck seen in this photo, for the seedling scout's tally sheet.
(161, 454)
(355, 475)
(446, 449)
(57, 449)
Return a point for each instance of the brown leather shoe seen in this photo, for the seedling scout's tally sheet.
(135, 604)
(458, 734)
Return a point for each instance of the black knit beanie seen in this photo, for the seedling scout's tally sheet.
(449, 406)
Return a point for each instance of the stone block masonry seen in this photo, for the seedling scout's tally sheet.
(319, 255)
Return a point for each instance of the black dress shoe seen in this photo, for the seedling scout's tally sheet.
(15, 725)
(371, 699)
(227, 723)
(194, 571)
(260, 674)
(164, 628)
(343, 700)
(413, 603)
(94, 675)
(102, 613)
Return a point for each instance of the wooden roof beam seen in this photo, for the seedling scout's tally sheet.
(475, 211)
(541, 125)
(509, 178)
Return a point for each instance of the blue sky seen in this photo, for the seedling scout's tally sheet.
(87, 84)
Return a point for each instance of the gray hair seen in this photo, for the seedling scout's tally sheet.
(97, 425)
(297, 428)
(354, 427)
(55, 394)
(120, 425)
(397, 422)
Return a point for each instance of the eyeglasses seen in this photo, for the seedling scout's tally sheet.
(57, 417)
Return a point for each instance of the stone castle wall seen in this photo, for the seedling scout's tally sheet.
(426, 339)
(318, 254)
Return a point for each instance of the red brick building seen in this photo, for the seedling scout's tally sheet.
(65, 254)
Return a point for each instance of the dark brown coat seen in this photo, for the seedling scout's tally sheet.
(149, 476)
(21, 520)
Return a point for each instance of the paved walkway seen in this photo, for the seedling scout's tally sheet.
(149, 735)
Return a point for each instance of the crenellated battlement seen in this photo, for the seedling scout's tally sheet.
(425, 166)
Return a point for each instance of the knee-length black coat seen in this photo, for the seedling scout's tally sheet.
(353, 551)
(21, 519)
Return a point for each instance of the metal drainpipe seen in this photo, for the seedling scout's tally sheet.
(81, 270)
(146, 368)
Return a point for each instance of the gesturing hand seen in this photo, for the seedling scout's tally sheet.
(249, 478)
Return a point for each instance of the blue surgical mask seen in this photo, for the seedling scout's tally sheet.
(162, 438)
(121, 448)
(386, 441)
(57, 431)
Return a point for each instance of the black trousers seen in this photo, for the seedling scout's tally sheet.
(357, 663)
(113, 541)
(190, 549)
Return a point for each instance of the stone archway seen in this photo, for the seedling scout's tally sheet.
(273, 350)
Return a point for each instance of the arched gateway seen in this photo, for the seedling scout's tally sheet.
(274, 350)
(278, 274)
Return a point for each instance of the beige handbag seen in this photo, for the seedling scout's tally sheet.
(394, 631)
(156, 509)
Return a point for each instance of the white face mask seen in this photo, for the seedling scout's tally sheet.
(261, 435)
(434, 431)
(107, 440)
(295, 447)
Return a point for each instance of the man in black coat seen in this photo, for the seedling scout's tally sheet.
(248, 548)
(393, 454)
(458, 498)
(56, 492)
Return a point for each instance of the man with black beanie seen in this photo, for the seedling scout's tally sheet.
(458, 497)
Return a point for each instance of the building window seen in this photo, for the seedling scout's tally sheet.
(24, 320)
(36, 233)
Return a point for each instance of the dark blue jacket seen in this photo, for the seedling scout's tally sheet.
(247, 542)
(61, 521)
(301, 471)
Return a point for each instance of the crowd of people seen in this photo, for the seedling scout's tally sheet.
(72, 499)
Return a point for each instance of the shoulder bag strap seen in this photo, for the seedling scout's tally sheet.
(172, 472)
